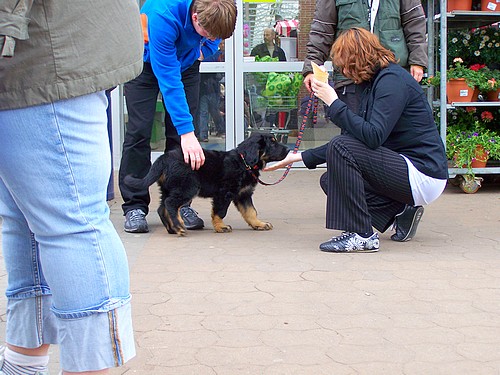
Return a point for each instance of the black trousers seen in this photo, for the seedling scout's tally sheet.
(365, 188)
(141, 95)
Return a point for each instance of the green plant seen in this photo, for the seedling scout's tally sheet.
(484, 46)
(457, 70)
(490, 80)
(474, 46)
(461, 143)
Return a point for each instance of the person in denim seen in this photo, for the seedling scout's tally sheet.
(68, 276)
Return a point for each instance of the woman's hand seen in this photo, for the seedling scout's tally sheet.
(324, 91)
(193, 153)
(290, 159)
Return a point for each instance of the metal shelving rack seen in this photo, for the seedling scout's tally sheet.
(456, 19)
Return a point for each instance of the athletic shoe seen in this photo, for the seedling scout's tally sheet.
(8, 368)
(350, 242)
(191, 219)
(135, 221)
(406, 223)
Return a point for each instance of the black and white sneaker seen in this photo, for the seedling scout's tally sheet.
(406, 223)
(135, 221)
(350, 242)
(191, 219)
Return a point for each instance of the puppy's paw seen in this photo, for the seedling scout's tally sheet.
(223, 228)
(262, 226)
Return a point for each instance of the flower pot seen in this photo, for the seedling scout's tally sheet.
(481, 158)
(493, 96)
(457, 90)
(490, 6)
(458, 5)
(479, 161)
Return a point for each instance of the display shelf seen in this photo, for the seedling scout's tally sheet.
(461, 19)
(473, 104)
(455, 19)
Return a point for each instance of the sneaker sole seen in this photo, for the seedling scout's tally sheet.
(195, 227)
(137, 230)
(349, 251)
(413, 227)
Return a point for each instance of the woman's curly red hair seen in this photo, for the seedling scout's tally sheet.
(358, 54)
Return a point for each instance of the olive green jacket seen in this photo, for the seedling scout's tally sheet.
(59, 49)
(399, 24)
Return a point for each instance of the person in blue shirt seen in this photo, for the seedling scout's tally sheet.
(177, 36)
(388, 161)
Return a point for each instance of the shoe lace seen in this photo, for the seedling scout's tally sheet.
(136, 216)
(343, 236)
(189, 212)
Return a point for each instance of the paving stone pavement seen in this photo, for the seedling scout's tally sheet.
(271, 303)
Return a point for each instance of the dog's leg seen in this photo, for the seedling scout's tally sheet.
(249, 213)
(172, 209)
(219, 212)
(165, 219)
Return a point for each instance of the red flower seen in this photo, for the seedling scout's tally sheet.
(476, 67)
(470, 109)
(486, 116)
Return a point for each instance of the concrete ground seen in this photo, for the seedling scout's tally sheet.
(271, 303)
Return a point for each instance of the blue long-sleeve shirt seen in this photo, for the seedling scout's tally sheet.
(394, 113)
(173, 46)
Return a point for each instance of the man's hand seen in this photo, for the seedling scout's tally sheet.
(324, 91)
(290, 158)
(192, 151)
(308, 81)
(417, 72)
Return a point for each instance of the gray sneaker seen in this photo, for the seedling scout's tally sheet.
(191, 219)
(350, 242)
(135, 221)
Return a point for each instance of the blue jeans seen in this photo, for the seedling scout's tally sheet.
(68, 279)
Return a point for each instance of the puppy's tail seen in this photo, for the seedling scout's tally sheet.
(153, 175)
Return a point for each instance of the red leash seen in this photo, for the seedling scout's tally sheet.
(311, 104)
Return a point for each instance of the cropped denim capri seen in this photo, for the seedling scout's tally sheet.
(68, 279)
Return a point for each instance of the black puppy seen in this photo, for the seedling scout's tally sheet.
(226, 176)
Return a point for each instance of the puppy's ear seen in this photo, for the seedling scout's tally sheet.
(250, 149)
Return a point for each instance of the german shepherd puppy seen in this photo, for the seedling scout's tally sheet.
(226, 176)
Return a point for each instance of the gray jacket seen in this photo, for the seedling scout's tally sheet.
(59, 49)
(400, 25)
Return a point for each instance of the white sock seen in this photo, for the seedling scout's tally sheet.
(17, 363)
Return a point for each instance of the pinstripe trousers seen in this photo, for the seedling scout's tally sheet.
(365, 188)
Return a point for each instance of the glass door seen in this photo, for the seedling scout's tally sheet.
(269, 96)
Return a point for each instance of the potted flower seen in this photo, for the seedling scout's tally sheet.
(462, 82)
(490, 83)
(472, 147)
